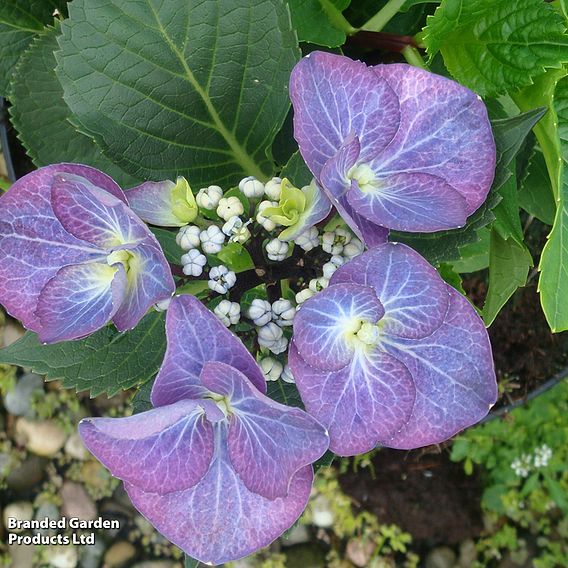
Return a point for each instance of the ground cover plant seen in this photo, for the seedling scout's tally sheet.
(258, 215)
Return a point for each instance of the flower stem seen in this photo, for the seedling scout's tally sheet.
(383, 16)
(413, 57)
(337, 18)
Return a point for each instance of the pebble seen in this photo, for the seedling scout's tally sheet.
(441, 557)
(156, 564)
(298, 535)
(18, 400)
(75, 448)
(119, 554)
(359, 551)
(12, 332)
(91, 554)
(322, 515)
(22, 556)
(468, 554)
(44, 438)
(50, 511)
(61, 556)
(21, 510)
(29, 473)
(76, 502)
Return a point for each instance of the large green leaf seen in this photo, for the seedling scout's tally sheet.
(535, 192)
(170, 88)
(297, 171)
(41, 117)
(20, 21)
(553, 281)
(493, 46)
(509, 265)
(104, 362)
(507, 220)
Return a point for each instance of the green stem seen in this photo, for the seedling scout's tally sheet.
(383, 16)
(413, 57)
(337, 18)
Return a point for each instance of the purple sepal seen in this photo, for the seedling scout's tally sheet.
(268, 442)
(163, 450)
(152, 201)
(195, 336)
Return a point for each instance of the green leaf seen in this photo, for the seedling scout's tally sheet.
(167, 240)
(507, 220)
(475, 256)
(194, 287)
(451, 276)
(170, 88)
(104, 362)
(284, 393)
(493, 46)
(236, 257)
(535, 193)
(190, 562)
(141, 400)
(509, 265)
(320, 21)
(297, 171)
(41, 117)
(20, 22)
(553, 281)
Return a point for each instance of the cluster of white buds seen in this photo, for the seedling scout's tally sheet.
(252, 188)
(271, 368)
(228, 312)
(264, 222)
(542, 456)
(303, 295)
(229, 207)
(283, 312)
(260, 312)
(308, 240)
(212, 239)
(209, 197)
(237, 230)
(273, 188)
(269, 321)
(188, 237)
(277, 250)
(332, 265)
(333, 242)
(193, 262)
(523, 465)
(353, 248)
(272, 337)
(221, 279)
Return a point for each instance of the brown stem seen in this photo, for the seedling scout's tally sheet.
(382, 40)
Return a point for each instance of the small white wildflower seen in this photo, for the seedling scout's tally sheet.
(260, 312)
(229, 207)
(279, 346)
(250, 187)
(212, 239)
(221, 279)
(287, 375)
(209, 197)
(318, 284)
(303, 295)
(162, 305)
(188, 237)
(228, 312)
(267, 224)
(522, 465)
(334, 241)
(277, 250)
(353, 248)
(273, 188)
(237, 230)
(308, 240)
(271, 368)
(193, 263)
(542, 456)
(269, 334)
(283, 312)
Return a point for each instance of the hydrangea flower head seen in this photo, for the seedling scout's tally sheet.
(393, 146)
(217, 467)
(73, 255)
(390, 354)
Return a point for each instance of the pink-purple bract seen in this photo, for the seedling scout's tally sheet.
(73, 256)
(393, 146)
(216, 466)
(390, 354)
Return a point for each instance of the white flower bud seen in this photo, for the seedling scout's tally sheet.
(271, 368)
(269, 334)
(318, 284)
(277, 250)
(193, 263)
(328, 269)
(162, 305)
(208, 197)
(303, 295)
(279, 346)
(353, 248)
(236, 230)
(308, 240)
(260, 312)
(229, 207)
(267, 224)
(250, 187)
(283, 312)
(273, 188)
(221, 279)
(287, 375)
(228, 312)
(212, 239)
(188, 237)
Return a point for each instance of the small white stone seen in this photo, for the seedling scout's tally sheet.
(228, 312)
(75, 448)
(193, 263)
(277, 250)
(20, 510)
(283, 312)
(188, 237)
(271, 368)
(229, 207)
(308, 240)
(322, 515)
(212, 239)
(303, 295)
(250, 187)
(221, 279)
(61, 556)
(260, 312)
(273, 188)
(43, 438)
(209, 197)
